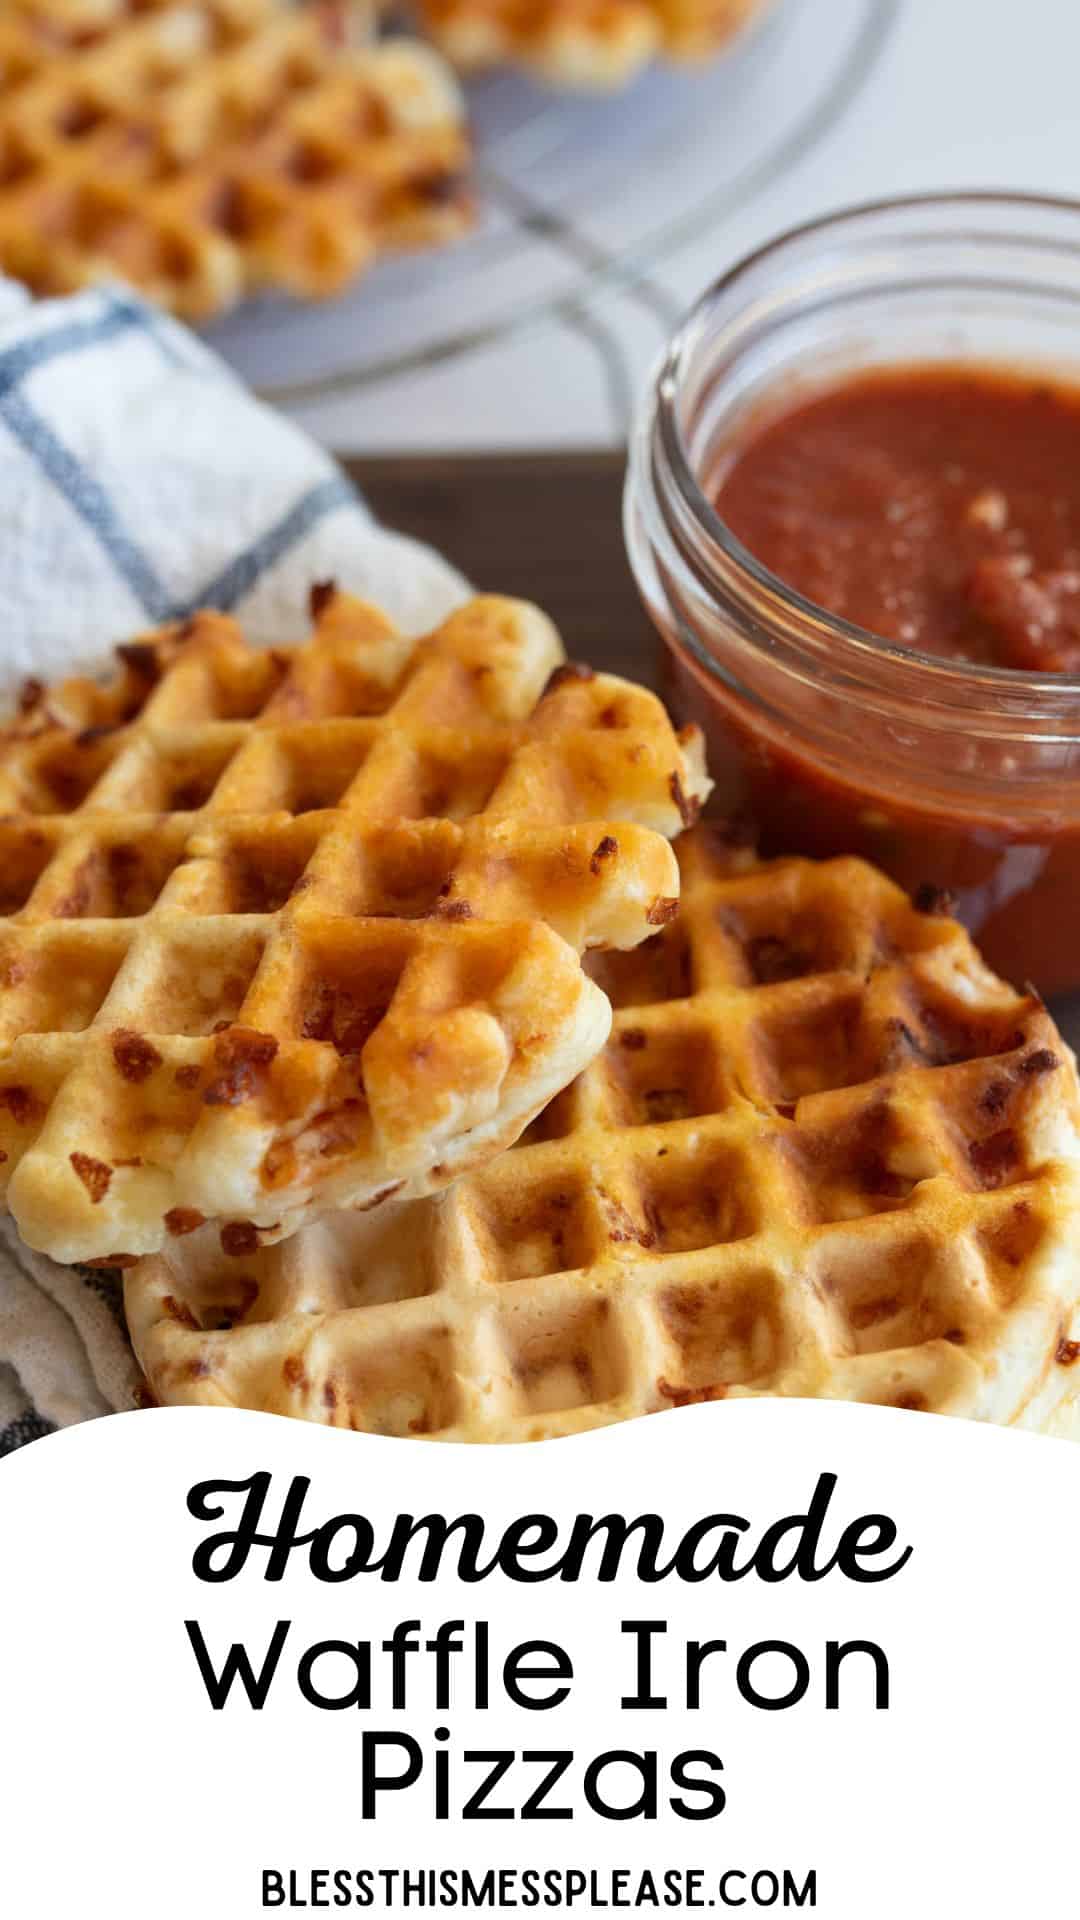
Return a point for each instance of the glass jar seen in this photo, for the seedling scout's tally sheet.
(948, 775)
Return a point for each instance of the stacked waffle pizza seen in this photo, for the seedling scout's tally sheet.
(358, 1004)
(297, 930)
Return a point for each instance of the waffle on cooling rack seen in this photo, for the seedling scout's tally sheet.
(587, 44)
(201, 149)
(825, 1152)
(285, 931)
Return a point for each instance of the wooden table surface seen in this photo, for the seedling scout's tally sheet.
(546, 527)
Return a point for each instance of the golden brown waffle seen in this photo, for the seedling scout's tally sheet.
(825, 1152)
(200, 149)
(588, 44)
(285, 931)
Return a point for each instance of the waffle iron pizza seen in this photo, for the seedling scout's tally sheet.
(283, 931)
(825, 1152)
(202, 149)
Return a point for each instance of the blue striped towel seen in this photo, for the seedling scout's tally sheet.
(139, 479)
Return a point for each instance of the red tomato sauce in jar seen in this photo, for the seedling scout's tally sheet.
(938, 509)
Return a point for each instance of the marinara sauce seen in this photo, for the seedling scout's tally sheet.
(938, 508)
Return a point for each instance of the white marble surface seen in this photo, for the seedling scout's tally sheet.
(967, 93)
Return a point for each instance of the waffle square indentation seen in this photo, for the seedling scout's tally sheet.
(25, 852)
(657, 1075)
(405, 1385)
(539, 1229)
(564, 1359)
(660, 969)
(720, 1333)
(193, 985)
(695, 1195)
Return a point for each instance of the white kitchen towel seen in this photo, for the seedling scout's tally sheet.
(139, 480)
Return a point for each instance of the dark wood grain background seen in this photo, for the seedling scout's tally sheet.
(547, 527)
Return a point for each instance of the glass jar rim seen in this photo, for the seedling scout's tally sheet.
(860, 643)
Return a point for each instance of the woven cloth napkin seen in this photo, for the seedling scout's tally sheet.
(139, 480)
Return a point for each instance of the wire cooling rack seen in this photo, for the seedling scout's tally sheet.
(578, 195)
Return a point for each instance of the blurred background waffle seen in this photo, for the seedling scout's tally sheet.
(824, 1153)
(569, 194)
(204, 149)
(591, 44)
